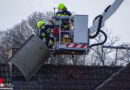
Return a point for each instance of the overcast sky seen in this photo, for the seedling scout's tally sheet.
(13, 11)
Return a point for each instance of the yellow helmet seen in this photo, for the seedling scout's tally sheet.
(61, 6)
(39, 24)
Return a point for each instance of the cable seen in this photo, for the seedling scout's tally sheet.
(107, 8)
(99, 29)
(102, 41)
(99, 26)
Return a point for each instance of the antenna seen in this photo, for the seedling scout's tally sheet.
(54, 10)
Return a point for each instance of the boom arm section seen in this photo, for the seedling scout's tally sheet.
(111, 9)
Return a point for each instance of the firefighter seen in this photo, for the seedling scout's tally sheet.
(45, 33)
(62, 10)
(66, 24)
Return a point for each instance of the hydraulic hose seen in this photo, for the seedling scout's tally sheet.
(99, 26)
(99, 29)
(100, 22)
(102, 41)
(107, 9)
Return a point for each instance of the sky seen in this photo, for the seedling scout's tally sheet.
(13, 11)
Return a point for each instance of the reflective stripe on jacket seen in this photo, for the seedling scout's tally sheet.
(64, 13)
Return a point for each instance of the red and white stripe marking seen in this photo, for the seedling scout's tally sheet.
(73, 45)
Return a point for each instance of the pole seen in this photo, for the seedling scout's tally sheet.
(127, 52)
(116, 56)
(54, 10)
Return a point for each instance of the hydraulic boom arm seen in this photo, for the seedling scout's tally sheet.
(111, 9)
